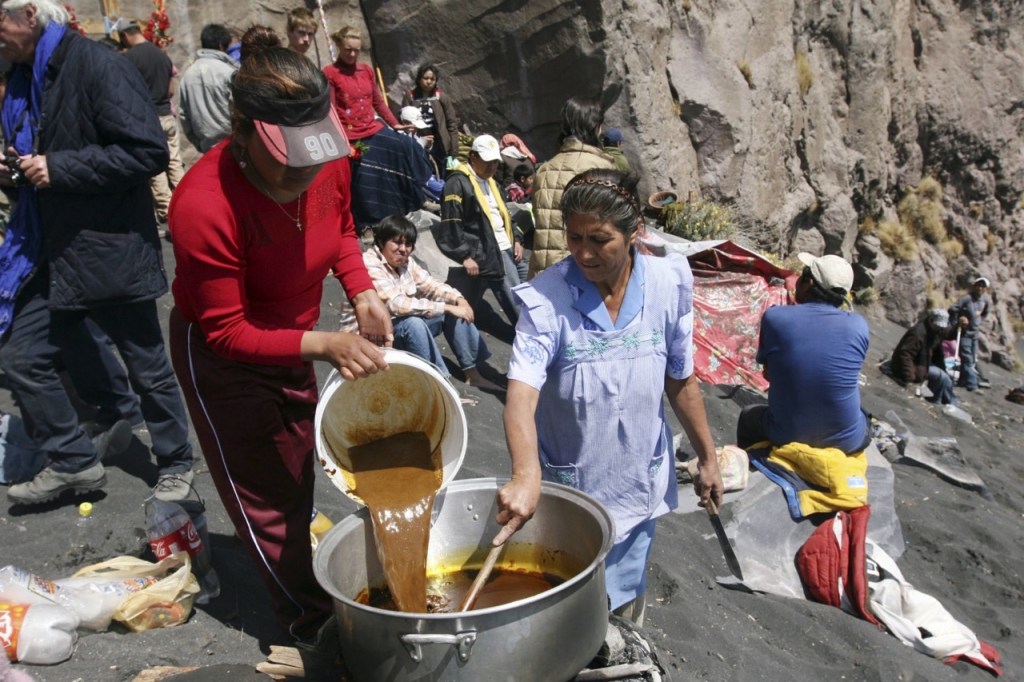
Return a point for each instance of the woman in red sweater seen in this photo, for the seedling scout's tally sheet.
(390, 173)
(257, 224)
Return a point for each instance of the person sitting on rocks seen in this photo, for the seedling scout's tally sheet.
(812, 354)
(420, 131)
(973, 306)
(918, 357)
(521, 188)
(421, 305)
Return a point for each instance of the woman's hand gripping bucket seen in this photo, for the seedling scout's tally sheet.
(411, 396)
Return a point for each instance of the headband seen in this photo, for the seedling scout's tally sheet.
(621, 191)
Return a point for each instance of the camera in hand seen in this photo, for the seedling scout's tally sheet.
(16, 175)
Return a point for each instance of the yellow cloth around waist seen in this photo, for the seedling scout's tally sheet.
(839, 480)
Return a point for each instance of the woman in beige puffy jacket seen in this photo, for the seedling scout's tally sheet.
(580, 151)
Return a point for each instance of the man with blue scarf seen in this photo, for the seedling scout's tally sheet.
(82, 141)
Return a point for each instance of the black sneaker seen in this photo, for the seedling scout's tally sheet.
(49, 484)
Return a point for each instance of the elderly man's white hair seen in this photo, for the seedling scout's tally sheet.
(47, 10)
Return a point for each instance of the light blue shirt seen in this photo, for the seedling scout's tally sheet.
(601, 426)
(591, 303)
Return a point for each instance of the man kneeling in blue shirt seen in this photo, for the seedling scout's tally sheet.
(812, 354)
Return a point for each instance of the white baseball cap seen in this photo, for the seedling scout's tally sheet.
(831, 272)
(414, 116)
(486, 147)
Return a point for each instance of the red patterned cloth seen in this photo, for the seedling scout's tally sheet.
(732, 289)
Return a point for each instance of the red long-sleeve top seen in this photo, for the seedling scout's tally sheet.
(251, 279)
(357, 97)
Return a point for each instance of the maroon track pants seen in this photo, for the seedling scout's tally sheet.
(255, 425)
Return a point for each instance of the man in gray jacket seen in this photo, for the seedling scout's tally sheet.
(205, 91)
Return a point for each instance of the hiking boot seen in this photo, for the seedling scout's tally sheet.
(173, 487)
(50, 483)
(114, 441)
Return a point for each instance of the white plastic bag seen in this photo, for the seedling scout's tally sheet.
(40, 634)
(165, 602)
(96, 592)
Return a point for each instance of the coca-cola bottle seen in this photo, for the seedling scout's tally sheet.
(170, 529)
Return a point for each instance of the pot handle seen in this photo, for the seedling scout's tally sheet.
(463, 643)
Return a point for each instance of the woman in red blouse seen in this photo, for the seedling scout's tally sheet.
(257, 224)
(391, 170)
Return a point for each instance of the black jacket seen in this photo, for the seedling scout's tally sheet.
(919, 348)
(465, 228)
(103, 142)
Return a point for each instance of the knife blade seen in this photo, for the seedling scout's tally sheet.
(723, 540)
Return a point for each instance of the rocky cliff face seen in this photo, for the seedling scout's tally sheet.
(811, 120)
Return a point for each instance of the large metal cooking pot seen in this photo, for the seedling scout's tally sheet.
(550, 636)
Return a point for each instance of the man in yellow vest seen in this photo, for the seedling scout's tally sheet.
(476, 231)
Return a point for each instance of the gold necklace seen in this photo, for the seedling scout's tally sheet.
(297, 218)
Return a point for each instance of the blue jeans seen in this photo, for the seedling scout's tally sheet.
(969, 361)
(941, 385)
(522, 269)
(416, 335)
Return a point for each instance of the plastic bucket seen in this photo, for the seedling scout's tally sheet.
(410, 396)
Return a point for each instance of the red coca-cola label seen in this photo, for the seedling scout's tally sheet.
(185, 539)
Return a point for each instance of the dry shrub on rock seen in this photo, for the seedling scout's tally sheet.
(744, 66)
(951, 249)
(804, 75)
(921, 211)
(697, 220)
(896, 240)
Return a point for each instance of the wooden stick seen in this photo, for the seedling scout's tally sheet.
(481, 578)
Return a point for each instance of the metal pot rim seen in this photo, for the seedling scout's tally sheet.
(324, 549)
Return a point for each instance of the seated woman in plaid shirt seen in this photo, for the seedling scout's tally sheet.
(421, 306)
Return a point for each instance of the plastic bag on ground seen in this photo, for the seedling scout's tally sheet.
(99, 593)
(733, 463)
(40, 634)
(89, 605)
(165, 602)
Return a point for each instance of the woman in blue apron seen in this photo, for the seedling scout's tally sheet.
(602, 336)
